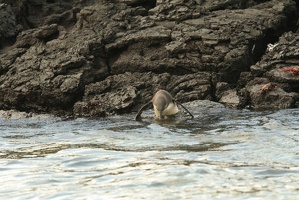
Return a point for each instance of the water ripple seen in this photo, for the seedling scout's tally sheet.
(221, 154)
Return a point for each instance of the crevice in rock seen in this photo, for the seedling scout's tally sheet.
(53, 36)
(232, 5)
(177, 70)
(36, 13)
(292, 23)
(100, 62)
(50, 1)
(258, 49)
(113, 55)
(213, 92)
(7, 42)
(147, 4)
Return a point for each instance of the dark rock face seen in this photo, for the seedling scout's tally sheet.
(8, 28)
(95, 58)
(279, 66)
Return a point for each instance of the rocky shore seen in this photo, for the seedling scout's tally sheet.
(97, 58)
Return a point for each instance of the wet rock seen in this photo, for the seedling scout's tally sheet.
(231, 98)
(204, 106)
(14, 114)
(207, 104)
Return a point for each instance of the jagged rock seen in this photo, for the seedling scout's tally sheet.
(272, 98)
(284, 53)
(280, 65)
(193, 44)
(75, 52)
(117, 101)
(101, 99)
(33, 36)
(43, 77)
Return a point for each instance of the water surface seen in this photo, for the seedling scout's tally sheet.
(221, 154)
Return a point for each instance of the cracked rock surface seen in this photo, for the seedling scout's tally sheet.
(91, 58)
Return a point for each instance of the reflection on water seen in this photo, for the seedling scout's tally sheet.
(221, 154)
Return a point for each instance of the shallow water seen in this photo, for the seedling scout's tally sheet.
(221, 154)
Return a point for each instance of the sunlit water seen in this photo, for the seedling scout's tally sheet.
(221, 154)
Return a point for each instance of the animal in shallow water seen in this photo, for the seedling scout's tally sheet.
(164, 105)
